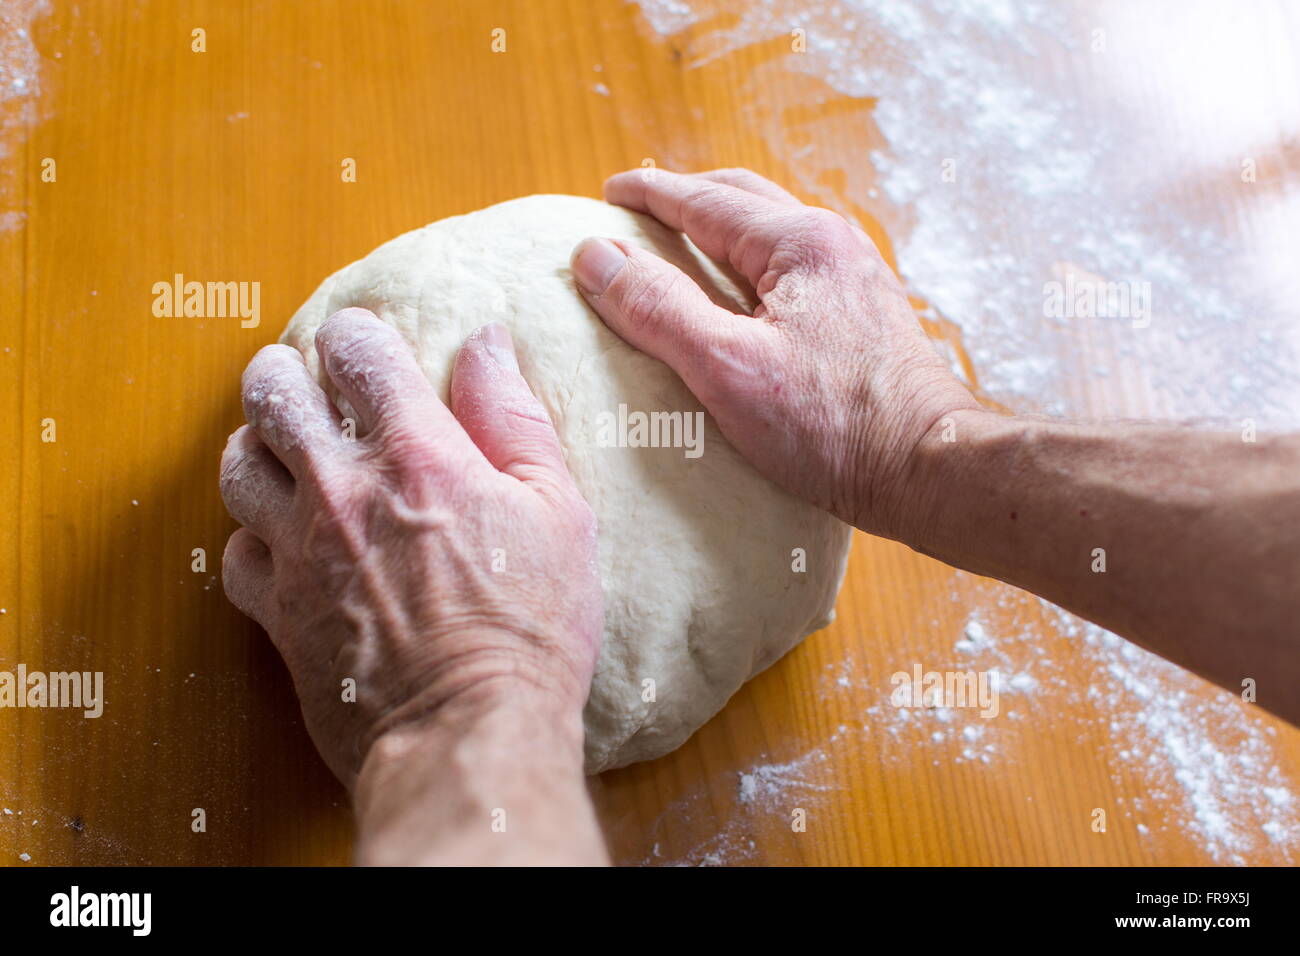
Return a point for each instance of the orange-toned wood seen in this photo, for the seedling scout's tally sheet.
(225, 165)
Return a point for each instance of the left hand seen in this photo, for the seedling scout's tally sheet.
(420, 559)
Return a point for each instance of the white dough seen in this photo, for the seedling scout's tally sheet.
(696, 554)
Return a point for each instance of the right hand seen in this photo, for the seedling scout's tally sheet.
(828, 388)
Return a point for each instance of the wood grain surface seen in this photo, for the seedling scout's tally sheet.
(225, 165)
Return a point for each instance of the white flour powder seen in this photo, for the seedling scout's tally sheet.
(1053, 176)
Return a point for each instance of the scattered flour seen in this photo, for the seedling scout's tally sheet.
(20, 86)
(1164, 741)
(1056, 173)
(771, 782)
(761, 791)
(1053, 177)
(1214, 756)
(960, 79)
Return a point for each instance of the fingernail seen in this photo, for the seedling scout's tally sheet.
(595, 263)
(499, 345)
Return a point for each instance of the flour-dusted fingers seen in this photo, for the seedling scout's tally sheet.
(256, 487)
(291, 414)
(655, 307)
(726, 222)
(248, 575)
(501, 414)
(750, 181)
(374, 368)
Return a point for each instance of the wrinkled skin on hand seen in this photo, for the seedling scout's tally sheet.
(372, 560)
(830, 385)
(420, 559)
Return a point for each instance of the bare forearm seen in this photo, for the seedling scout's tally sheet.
(1183, 541)
(487, 782)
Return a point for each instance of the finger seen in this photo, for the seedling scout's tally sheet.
(501, 414)
(256, 487)
(373, 368)
(247, 574)
(726, 222)
(290, 413)
(655, 307)
(750, 181)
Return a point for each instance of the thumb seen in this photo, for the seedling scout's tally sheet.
(499, 412)
(654, 306)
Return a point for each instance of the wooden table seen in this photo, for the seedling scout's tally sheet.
(225, 165)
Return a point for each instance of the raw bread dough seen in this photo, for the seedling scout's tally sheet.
(696, 554)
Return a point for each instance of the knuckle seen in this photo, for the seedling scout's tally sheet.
(273, 357)
(233, 557)
(231, 468)
(347, 319)
(235, 442)
(401, 447)
(273, 370)
(822, 234)
(739, 176)
(648, 295)
(526, 415)
(234, 464)
(721, 203)
(232, 567)
(343, 352)
(348, 331)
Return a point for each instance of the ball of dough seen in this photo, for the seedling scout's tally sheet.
(700, 557)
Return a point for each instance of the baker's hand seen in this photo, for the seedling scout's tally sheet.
(430, 559)
(830, 385)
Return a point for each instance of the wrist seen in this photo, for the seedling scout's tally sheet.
(489, 670)
(939, 472)
(483, 698)
(500, 667)
(895, 409)
(430, 790)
